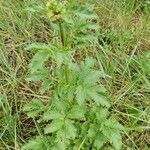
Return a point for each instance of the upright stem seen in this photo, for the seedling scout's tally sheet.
(63, 44)
(62, 36)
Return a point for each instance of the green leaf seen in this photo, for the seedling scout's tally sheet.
(59, 58)
(111, 129)
(113, 123)
(60, 145)
(33, 108)
(80, 95)
(34, 8)
(38, 46)
(116, 140)
(61, 105)
(100, 89)
(76, 112)
(54, 126)
(35, 76)
(45, 85)
(38, 60)
(92, 77)
(41, 74)
(101, 113)
(144, 63)
(92, 26)
(89, 62)
(98, 98)
(70, 129)
(62, 57)
(99, 140)
(39, 143)
(86, 12)
(113, 136)
(92, 131)
(49, 115)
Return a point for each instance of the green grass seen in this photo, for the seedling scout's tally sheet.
(123, 53)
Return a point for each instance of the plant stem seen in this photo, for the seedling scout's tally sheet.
(62, 33)
(80, 146)
(63, 44)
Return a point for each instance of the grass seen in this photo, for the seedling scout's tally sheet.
(123, 53)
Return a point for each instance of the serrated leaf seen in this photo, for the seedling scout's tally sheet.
(38, 143)
(34, 8)
(54, 126)
(111, 129)
(62, 57)
(45, 85)
(101, 113)
(76, 112)
(117, 140)
(80, 95)
(92, 77)
(70, 129)
(89, 62)
(92, 131)
(113, 136)
(86, 12)
(59, 58)
(100, 89)
(33, 108)
(35, 77)
(60, 105)
(84, 127)
(99, 140)
(92, 26)
(113, 123)
(38, 46)
(41, 74)
(98, 98)
(60, 145)
(38, 60)
(49, 115)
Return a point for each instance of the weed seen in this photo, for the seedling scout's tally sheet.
(77, 113)
(121, 53)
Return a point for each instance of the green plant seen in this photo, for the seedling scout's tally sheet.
(146, 6)
(76, 115)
